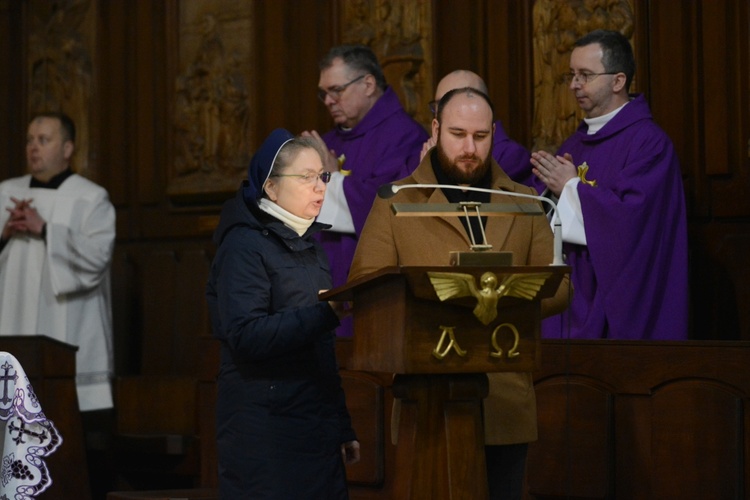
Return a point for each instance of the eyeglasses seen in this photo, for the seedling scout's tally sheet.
(433, 106)
(583, 78)
(309, 177)
(335, 92)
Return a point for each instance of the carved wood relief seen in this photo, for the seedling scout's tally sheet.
(400, 34)
(557, 24)
(213, 103)
(60, 61)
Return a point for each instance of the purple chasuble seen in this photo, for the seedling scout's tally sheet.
(514, 159)
(382, 148)
(631, 279)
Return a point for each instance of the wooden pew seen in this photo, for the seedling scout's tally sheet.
(642, 420)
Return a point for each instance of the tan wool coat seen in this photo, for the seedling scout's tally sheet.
(387, 240)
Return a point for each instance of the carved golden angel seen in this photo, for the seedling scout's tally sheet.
(455, 285)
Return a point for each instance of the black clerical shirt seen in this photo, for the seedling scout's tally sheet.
(457, 196)
(54, 182)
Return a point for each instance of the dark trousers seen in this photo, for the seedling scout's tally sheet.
(98, 427)
(506, 466)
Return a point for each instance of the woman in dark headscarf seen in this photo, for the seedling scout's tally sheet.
(283, 430)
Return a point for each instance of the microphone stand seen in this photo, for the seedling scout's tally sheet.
(389, 190)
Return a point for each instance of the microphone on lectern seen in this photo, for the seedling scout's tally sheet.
(389, 190)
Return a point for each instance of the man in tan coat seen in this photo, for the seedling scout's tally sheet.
(463, 130)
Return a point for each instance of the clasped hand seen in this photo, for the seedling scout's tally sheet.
(342, 309)
(330, 162)
(554, 171)
(24, 219)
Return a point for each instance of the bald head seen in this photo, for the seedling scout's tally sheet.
(459, 79)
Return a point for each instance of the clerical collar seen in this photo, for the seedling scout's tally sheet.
(54, 182)
(456, 195)
(596, 124)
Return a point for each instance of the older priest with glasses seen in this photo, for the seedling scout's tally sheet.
(374, 141)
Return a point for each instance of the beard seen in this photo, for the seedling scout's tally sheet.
(459, 175)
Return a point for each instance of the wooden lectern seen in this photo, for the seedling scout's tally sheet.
(51, 368)
(440, 351)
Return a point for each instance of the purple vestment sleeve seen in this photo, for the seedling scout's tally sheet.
(630, 280)
(382, 148)
(513, 158)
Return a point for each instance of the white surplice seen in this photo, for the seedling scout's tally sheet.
(61, 288)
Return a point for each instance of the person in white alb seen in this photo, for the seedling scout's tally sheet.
(58, 235)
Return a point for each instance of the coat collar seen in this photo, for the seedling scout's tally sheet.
(239, 212)
(500, 181)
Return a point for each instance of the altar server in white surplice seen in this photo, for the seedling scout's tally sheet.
(58, 233)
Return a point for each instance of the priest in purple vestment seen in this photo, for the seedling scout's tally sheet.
(513, 158)
(622, 206)
(374, 141)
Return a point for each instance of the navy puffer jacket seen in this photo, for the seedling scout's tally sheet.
(280, 404)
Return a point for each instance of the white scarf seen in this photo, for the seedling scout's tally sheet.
(297, 224)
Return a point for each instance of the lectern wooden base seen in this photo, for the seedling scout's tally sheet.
(440, 437)
(440, 347)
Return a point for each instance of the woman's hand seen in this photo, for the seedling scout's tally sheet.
(342, 309)
(350, 452)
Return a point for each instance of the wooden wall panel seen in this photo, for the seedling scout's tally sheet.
(60, 64)
(116, 123)
(671, 45)
(149, 98)
(211, 98)
(157, 288)
(159, 294)
(510, 66)
(293, 37)
(687, 438)
(616, 420)
(716, 91)
(12, 80)
(720, 274)
(589, 460)
(126, 313)
(729, 192)
(677, 412)
(364, 399)
(190, 318)
(710, 136)
(460, 37)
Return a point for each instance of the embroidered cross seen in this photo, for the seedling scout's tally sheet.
(5, 378)
(582, 170)
(22, 430)
(340, 160)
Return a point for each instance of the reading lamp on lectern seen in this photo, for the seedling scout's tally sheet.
(389, 190)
